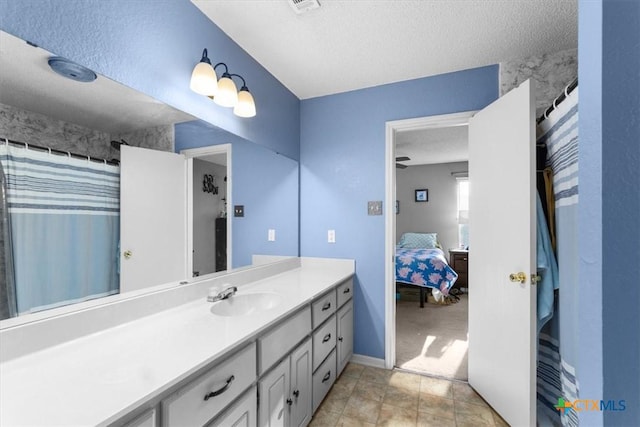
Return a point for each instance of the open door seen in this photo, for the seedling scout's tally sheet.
(152, 218)
(502, 322)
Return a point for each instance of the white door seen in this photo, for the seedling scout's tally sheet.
(502, 348)
(152, 218)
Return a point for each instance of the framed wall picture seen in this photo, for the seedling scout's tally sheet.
(422, 195)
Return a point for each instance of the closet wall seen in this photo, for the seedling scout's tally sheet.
(551, 74)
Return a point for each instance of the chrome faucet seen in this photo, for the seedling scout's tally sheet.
(224, 294)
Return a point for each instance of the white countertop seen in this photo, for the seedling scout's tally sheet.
(97, 379)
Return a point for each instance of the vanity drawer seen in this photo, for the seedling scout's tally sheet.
(323, 307)
(279, 341)
(324, 340)
(243, 413)
(196, 403)
(344, 292)
(323, 379)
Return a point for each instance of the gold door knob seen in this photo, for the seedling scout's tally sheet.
(518, 277)
(127, 254)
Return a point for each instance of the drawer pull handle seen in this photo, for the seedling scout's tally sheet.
(326, 307)
(326, 377)
(289, 402)
(326, 338)
(296, 393)
(340, 339)
(346, 291)
(222, 390)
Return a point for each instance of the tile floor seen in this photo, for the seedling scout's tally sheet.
(365, 396)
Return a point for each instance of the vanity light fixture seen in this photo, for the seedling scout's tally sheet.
(224, 92)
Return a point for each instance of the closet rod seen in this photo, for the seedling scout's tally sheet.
(113, 162)
(558, 100)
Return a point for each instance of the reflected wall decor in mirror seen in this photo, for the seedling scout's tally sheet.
(65, 236)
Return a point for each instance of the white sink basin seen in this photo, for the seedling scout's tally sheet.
(246, 304)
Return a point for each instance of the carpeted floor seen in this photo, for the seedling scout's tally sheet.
(432, 340)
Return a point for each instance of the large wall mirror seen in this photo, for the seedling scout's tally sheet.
(64, 146)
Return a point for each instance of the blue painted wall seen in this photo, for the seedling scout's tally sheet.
(621, 207)
(589, 335)
(342, 148)
(152, 47)
(264, 182)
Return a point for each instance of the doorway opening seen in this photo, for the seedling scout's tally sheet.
(426, 330)
(208, 204)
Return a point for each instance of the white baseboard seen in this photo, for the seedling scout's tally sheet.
(374, 362)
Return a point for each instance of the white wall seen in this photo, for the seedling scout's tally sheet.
(439, 214)
(206, 208)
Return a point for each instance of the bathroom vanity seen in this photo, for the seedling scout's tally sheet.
(266, 356)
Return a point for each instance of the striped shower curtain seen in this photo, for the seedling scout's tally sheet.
(65, 221)
(557, 349)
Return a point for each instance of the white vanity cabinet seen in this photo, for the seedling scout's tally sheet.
(243, 413)
(285, 391)
(201, 400)
(344, 345)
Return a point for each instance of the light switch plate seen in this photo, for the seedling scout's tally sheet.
(375, 207)
(272, 235)
(331, 236)
(238, 210)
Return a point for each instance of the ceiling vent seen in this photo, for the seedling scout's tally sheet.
(304, 6)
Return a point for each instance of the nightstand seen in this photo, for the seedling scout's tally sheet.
(459, 261)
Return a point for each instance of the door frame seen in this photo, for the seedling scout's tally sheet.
(190, 154)
(391, 128)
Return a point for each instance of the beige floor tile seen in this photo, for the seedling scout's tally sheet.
(368, 390)
(429, 420)
(352, 370)
(405, 380)
(470, 414)
(464, 392)
(437, 387)
(436, 405)
(401, 398)
(334, 403)
(352, 422)
(498, 421)
(344, 386)
(362, 409)
(394, 416)
(324, 419)
(376, 375)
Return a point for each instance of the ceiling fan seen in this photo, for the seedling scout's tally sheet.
(401, 159)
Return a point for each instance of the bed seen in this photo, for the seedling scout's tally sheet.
(420, 262)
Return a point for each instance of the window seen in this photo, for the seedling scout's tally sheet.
(463, 212)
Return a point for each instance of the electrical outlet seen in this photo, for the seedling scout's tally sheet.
(272, 235)
(331, 236)
(238, 210)
(375, 208)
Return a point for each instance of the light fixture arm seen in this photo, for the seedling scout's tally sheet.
(226, 70)
(244, 84)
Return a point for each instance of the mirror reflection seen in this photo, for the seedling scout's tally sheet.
(60, 152)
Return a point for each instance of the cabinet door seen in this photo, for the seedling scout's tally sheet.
(274, 392)
(301, 385)
(345, 335)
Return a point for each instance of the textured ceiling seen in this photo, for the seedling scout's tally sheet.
(347, 45)
(433, 145)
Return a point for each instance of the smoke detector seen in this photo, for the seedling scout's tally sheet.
(304, 6)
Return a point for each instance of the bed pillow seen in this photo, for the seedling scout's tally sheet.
(419, 240)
